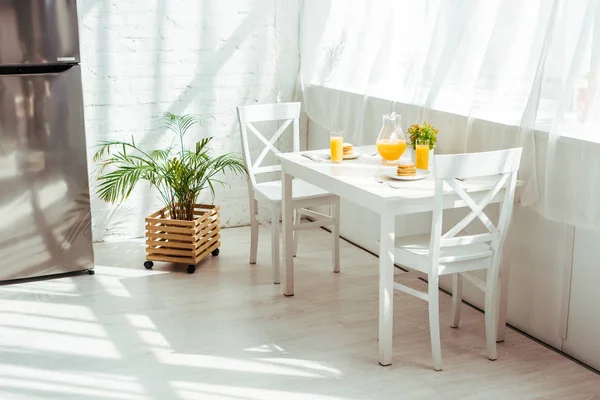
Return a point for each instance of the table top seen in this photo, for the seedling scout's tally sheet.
(358, 179)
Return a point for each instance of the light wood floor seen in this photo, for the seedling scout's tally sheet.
(226, 332)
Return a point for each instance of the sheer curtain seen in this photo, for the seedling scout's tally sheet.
(490, 74)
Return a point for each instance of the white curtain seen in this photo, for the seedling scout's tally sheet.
(489, 74)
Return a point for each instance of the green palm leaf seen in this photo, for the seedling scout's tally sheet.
(179, 180)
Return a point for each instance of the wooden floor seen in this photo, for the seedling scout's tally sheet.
(227, 332)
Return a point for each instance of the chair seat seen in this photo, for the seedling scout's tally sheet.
(413, 252)
(301, 190)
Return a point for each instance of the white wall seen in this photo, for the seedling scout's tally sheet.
(142, 58)
(584, 315)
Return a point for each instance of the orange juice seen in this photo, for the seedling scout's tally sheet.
(422, 156)
(336, 145)
(391, 149)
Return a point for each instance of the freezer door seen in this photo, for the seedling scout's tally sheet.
(38, 32)
(45, 215)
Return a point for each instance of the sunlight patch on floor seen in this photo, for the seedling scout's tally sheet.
(46, 309)
(140, 321)
(194, 391)
(113, 286)
(305, 364)
(110, 278)
(58, 343)
(147, 331)
(266, 348)
(117, 272)
(41, 290)
(49, 324)
(14, 378)
(53, 328)
(234, 364)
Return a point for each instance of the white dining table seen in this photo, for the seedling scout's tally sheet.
(362, 181)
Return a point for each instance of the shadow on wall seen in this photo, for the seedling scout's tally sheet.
(201, 58)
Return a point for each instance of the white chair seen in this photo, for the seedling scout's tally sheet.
(457, 253)
(304, 194)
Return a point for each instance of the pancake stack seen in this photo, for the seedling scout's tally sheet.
(348, 149)
(406, 170)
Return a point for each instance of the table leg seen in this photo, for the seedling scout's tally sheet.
(386, 288)
(503, 299)
(335, 233)
(287, 216)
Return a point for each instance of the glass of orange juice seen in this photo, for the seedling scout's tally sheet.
(336, 146)
(422, 153)
(391, 149)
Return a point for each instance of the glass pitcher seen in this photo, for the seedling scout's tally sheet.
(391, 141)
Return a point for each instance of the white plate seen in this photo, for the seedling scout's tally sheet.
(421, 173)
(352, 156)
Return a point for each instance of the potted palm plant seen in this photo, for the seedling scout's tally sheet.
(182, 231)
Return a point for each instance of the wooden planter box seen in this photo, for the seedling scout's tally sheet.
(185, 242)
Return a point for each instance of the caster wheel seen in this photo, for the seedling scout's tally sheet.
(90, 272)
(215, 252)
(191, 269)
(148, 264)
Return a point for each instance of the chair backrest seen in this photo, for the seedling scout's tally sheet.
(287, 113)
(503, 164)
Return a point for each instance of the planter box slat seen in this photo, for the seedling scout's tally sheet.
(208, 243)
(206, 229)
(156, 214)
(170, 236)
(169, 252)
(174, 223)
(207, 236)
(169, 229)
(210, 249)
(170, 244)
(173, 259)
(210, 217)
(200, 225)
(183, 241)
(202, 208)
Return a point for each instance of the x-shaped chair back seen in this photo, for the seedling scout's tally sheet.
(451, 170)
(287, 113)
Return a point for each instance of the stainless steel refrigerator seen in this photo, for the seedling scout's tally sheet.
(45, 219)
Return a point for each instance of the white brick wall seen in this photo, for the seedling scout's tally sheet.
(141, 58)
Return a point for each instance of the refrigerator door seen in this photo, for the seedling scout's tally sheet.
(38, 32)
(45, 220)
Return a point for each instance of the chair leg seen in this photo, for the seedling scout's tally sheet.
(297, 220)
(502, 300)
(434, 321)
(457, 284)
(335, 233)
(491, 312)
(253, 232)
(275, 259)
